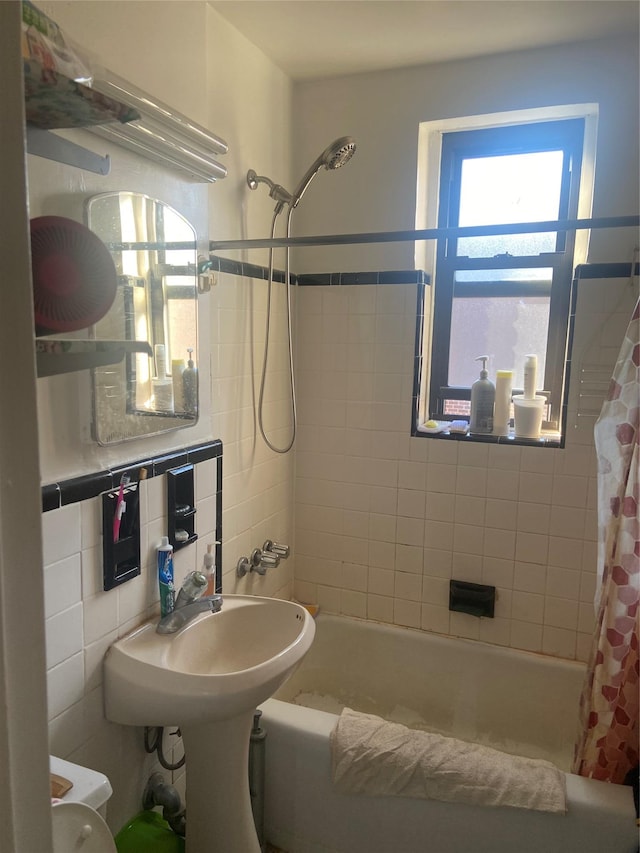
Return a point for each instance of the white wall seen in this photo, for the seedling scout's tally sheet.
(377, 190)
(184, 53)
(383, 521)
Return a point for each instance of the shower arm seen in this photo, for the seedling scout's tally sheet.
(277, 192)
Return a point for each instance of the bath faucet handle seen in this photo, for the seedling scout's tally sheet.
(243, 567)
(276, 548)
(258, 562)
(263, 560)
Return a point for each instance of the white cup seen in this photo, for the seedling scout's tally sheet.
(528, 415)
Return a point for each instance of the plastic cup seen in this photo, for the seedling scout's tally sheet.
(528, 415)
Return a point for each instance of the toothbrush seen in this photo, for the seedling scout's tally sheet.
(121, 506)
(134, 503)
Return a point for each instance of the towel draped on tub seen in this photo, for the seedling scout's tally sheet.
(372, 756)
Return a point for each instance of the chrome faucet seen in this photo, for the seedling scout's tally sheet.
(189, 603)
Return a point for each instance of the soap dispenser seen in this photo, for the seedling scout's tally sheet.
(483, 394)
(190, 386)
(208, 570)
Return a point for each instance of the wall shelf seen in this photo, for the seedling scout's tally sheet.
(63, 355)
(53, 101)
(119, 112)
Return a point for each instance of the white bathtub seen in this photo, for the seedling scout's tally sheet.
(515, 701)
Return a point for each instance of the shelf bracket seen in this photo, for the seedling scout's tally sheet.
(57, 355)
(43, 143)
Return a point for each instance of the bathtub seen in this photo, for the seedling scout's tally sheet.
(515, 701)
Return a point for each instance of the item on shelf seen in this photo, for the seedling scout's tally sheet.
(530, 376)
(162, 383)
(502, 410)
(44, 41)
(190, 385)
(54, 101)
(483, 395)
(74, 277)
(528, 415)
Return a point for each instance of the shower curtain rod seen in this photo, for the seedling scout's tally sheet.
(430, 233)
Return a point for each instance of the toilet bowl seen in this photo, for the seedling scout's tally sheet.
(78, 818)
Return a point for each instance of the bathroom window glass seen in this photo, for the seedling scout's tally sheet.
(504, 295)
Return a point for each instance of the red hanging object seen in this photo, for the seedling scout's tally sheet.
(74, 277)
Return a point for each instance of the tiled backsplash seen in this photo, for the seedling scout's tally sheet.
(82, 620)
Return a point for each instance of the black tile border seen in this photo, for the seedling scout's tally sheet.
(88, 486)
(50, 497)
(248, 270)
(78, 489)
(162, 464)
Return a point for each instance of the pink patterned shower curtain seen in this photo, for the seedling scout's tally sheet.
(607, 747)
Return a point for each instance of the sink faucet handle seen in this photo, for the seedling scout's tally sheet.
(193, 588)
(276, 548)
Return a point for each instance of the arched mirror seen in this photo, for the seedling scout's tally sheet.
(154, 250)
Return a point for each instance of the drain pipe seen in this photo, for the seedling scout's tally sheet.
(158, 793)
(256, 776)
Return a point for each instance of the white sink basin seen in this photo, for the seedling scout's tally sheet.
(218, 666)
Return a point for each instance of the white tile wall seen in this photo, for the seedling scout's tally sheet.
(522, 519)
(383, 521)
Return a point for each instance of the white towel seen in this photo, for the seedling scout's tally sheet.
(372, 756)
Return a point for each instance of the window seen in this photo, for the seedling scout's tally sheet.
(505, 296)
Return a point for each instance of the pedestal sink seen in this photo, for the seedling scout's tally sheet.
(208, 679)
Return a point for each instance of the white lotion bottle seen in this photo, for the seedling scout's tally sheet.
(483, 394)
(530, 376)
(502, 409)
(162, 384)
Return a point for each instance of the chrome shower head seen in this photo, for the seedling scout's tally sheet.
(338, 153)
(333, 157)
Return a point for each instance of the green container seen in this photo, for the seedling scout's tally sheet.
(148, 832)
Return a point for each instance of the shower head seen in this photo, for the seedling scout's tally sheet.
(334, 156)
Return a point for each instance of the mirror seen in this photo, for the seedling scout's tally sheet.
(154, 250)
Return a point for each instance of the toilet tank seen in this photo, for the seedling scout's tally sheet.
(89, 786)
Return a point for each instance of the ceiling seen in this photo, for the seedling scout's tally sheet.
(325, 38)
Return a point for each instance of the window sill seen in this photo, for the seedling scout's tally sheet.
(548, 438)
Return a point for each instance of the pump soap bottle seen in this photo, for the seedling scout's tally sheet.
(208, 570)
(190, 386)
(483, 394)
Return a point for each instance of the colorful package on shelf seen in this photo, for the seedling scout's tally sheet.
(44, 41)
(52, 100)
